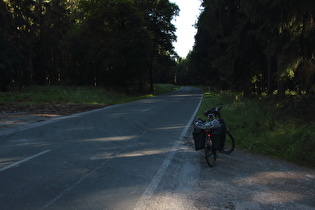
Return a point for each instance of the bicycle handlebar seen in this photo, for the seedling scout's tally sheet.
(214, 111)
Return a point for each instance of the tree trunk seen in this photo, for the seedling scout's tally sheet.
(3, 79)
(151, 74)
(280, 80)
(247, 89)
(140, 81)
(269, 82)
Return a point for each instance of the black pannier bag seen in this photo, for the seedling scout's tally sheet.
(218, 136)
(199, 135)
(199, 138)
(218, 139)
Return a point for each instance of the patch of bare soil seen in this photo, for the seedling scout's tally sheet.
(13, 116)
(59, 109)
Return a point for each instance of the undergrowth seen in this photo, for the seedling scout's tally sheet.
(268, 126)
(75, 95)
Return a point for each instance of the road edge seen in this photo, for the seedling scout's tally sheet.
(149, 191)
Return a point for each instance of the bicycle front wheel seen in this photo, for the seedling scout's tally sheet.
(210, 154)
(229, 144)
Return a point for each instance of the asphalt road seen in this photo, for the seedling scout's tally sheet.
(113, 158)
(140, 155)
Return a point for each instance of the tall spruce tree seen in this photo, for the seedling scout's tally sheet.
(255, 46)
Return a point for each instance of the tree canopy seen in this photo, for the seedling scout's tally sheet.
(254, 46)
(86, 42)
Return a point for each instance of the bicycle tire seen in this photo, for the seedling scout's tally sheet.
(229, 144)
(210, 154)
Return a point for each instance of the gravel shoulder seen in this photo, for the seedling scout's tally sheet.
(243, 180)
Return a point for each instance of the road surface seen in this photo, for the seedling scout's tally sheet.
(113, 158)
(140, 155)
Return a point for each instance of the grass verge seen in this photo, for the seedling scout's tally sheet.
(75, 95)
(267, 126)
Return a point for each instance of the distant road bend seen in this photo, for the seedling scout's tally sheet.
(112, 158)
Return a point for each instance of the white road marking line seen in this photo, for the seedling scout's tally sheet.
(61, 194)
(145, 110)
(146, 196)
(24, 160)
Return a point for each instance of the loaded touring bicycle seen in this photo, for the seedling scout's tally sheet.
(212, 135)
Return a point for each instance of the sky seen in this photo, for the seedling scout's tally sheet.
(188, 15)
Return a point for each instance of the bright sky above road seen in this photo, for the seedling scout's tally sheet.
(188, 15)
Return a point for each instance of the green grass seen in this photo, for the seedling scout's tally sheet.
(164, 88)
(266, 126)
(74, 95)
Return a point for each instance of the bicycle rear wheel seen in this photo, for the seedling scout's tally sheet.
(210, 154)
(229, 144)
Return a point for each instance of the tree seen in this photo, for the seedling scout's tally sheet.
(158, 16)
(16, 25)
(99, 42)
(56, 24)
(119, 47)
(252, 45)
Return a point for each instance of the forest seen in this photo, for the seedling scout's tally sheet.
(254, 47)
(108, 43)
(259, 55)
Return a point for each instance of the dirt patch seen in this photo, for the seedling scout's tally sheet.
(12, 116)
(59, 109)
